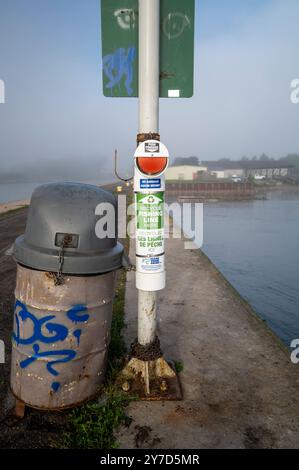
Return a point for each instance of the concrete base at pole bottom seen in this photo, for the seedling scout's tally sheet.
(150, 380)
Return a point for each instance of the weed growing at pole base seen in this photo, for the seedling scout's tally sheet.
(179, 366)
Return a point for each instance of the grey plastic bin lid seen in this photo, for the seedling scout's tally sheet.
(64, 213)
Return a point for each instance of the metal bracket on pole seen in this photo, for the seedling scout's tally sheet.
(148, 377)
(151, 380)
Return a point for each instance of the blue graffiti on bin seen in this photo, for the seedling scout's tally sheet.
(77, 314)
(120, 64)
(60, 331)
(73, 314)
(68, 353)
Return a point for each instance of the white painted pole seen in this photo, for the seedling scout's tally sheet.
(147, 315)
(149, 69)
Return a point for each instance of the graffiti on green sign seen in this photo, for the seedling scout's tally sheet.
(126, 18)
(118, 65)
(174, 25)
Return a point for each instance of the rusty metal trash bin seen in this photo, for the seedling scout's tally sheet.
(64, 293)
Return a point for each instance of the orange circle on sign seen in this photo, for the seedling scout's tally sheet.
(151, 165)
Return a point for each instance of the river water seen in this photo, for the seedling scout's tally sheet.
(255, 244)
(20, 191)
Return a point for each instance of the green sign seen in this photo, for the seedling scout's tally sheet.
(150, 226)
(120, 48)
(150, 211)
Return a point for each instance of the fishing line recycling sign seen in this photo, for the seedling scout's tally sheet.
(150, 230)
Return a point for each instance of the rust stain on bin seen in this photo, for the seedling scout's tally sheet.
(61, 337)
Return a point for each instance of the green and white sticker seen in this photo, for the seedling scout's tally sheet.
(150, 211)
(150, 224)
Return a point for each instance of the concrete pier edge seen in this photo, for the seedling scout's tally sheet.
(245, 303)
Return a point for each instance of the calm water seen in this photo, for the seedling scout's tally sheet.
(255, 245)
(16, 191)
(19, 191)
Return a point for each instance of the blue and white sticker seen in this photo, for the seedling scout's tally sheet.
(150, 264)
(150, 183)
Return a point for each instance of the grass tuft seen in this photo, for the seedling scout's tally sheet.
(179, 366)
(93, 424)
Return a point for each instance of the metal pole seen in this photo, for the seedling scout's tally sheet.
(146, 317)
(149, 31)
(149, 38)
